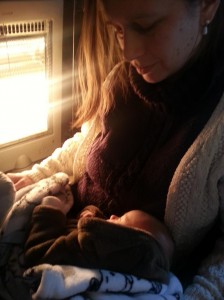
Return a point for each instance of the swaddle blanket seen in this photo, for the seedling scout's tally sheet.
(62, 282)
(74, 283)
(27, 198)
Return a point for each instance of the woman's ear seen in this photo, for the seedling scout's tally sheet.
(208, 10)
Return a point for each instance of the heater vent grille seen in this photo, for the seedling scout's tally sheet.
(21, 28)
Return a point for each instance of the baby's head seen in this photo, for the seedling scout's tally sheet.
(141, 220)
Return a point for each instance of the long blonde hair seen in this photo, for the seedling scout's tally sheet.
(97, 54)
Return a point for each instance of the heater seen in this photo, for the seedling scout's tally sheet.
(30, 81)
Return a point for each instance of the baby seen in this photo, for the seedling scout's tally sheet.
(135, 243)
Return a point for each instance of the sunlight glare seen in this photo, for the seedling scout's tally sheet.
(23, 89)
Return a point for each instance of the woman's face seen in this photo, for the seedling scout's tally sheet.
(157, 36)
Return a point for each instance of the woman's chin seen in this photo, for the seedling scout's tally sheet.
(152, 78)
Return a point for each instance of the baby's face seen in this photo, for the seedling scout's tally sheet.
(114, 219)
(132, 219)
(123, 220)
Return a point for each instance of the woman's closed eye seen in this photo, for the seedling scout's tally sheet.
(141, 29)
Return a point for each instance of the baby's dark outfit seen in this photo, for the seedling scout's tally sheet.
(93, 242)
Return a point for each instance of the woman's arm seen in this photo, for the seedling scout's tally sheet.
(61, 160)
(208, 284)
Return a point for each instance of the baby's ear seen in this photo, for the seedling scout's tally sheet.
(7, 195)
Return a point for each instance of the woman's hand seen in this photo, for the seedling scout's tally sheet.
(19, 180)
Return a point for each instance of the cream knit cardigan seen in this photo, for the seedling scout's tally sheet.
(196, 193)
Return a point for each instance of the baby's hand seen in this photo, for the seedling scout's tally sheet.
(62, 201)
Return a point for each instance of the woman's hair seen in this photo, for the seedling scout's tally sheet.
(98, 53)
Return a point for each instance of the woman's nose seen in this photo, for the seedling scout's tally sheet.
(133, 46)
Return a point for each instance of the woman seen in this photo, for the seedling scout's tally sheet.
(154, 134)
